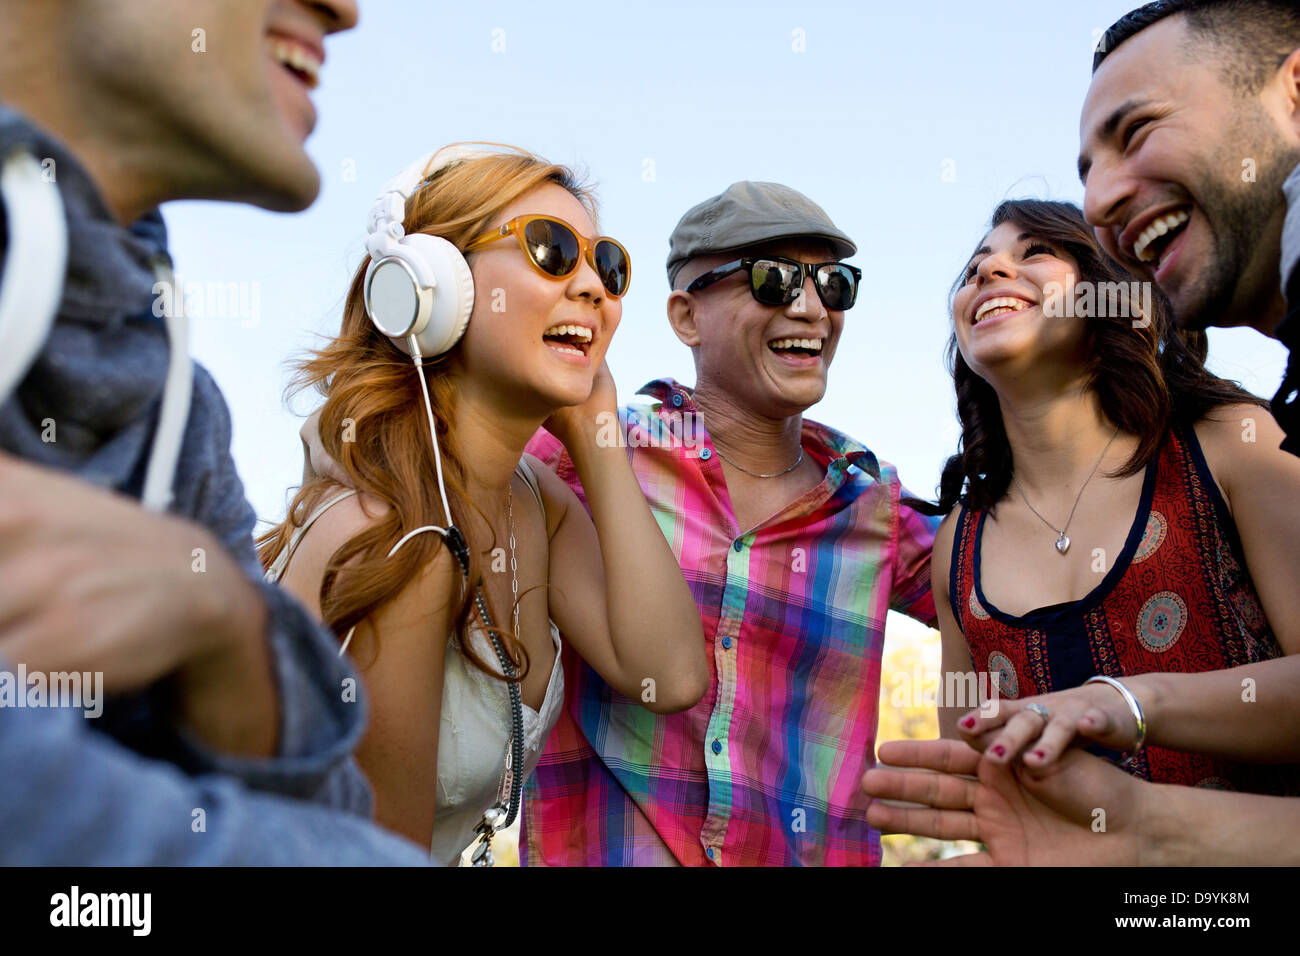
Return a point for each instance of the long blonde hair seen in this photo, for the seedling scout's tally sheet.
(373, 423)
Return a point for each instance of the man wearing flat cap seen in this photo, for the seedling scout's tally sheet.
(795, 542)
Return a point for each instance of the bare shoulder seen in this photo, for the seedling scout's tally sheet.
(335, 526)
(1228, 428)
(1238, 440)
(429, 591)
(339, 523)
(941, 557)
(353, 515)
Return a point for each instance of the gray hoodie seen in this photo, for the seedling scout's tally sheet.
(100, 377)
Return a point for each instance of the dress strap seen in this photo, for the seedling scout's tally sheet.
(277, 568)
(282, 560)
(958, 564)
(525, 471)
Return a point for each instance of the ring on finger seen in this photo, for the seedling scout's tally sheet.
(1041, 711)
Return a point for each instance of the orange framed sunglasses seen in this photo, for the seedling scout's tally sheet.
(554, 248)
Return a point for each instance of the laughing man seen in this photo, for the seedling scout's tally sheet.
(795, 543)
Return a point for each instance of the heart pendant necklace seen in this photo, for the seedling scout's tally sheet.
(1062, 539)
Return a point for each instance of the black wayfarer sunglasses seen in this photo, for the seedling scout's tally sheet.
(774, 280)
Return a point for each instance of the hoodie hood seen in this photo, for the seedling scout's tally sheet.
(89, 403)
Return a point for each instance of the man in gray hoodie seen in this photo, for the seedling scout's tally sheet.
(228, 705)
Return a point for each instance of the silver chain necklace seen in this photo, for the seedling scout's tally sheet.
(754, 474)
(506, 808)
(1062, 540)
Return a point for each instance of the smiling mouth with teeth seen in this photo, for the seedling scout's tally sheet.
(796, 346)
(1000, 306)
(1157, 237)
(303, 65)
(574, 339)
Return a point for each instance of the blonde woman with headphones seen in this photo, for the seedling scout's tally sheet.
(451, 567)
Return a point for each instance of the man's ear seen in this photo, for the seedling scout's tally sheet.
(1291, 89)
(681, 316)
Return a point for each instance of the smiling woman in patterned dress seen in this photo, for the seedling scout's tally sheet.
(1114, 510)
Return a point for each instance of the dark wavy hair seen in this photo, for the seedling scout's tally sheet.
(1147, 378)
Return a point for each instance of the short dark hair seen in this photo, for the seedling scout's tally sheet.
(1253, 37)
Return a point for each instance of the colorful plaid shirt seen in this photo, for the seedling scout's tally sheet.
(764, 770)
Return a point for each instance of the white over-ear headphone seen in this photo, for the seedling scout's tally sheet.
(418, 289)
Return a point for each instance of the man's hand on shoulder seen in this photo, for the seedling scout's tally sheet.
(316, 461)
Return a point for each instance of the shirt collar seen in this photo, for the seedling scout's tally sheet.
(837, 451)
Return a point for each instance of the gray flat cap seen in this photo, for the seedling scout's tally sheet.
(748, 213)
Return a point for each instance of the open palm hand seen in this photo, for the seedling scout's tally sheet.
(1079, 812)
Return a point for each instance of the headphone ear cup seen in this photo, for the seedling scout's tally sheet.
(422, 287)
(453, 292)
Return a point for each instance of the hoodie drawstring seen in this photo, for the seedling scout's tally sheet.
(34, 267)
(31, 290)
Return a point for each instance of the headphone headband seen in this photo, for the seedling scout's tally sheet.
(390, 205)
(418, 288)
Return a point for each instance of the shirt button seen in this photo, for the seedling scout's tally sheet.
(717, 746)
(726, 642)
(705, 454)
(677, 400)
(738, 545)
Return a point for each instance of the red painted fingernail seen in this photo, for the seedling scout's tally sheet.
(968, 722)
(999, 750)
(1039, 754)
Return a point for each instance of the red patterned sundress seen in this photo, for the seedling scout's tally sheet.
(1178, 599)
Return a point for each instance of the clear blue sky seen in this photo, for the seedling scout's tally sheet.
(862, 121)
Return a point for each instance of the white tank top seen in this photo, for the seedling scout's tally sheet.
(475, 718)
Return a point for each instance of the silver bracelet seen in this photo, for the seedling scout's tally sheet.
(1133, 706)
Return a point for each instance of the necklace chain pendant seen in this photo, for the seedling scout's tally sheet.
(1062, 540)
(514, 566)
(487, 827)
(482, 855)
